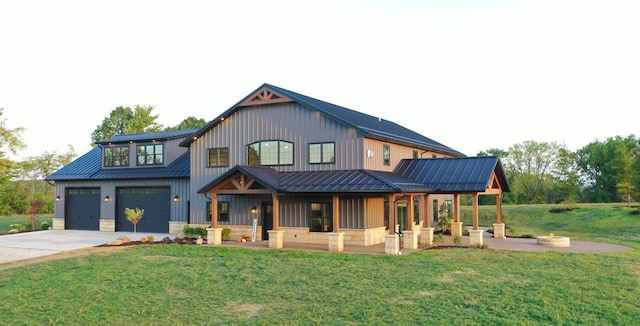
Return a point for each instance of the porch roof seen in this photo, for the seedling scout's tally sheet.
(323, 181)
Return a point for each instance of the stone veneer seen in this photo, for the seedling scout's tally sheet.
(58, 223)
(351, 237)
(107, 225)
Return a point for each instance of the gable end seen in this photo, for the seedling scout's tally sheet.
(265, 96)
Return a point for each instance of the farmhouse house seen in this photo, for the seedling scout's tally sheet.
(282, 167)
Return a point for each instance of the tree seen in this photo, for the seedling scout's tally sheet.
(134, 215)
(124, 120)
(10, 138)
(531, 166)
(189, 123)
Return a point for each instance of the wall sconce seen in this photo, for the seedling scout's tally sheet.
(254, 210)
(176, 198)
(58, 198)
(106, 198)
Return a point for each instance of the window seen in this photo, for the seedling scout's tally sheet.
(415, 154)
(321, 217)
(272, 152)
(116, 156)
(386, 154)
(322, 153)
(218, 157)
(435, 211)
(223, 211)
(150, 155)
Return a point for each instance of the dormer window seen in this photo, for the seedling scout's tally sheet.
(150, 154)
(116, 156)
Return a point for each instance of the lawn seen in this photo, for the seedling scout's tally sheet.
(24, 220)
(173, 284)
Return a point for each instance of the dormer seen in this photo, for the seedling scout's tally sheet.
(155, 149)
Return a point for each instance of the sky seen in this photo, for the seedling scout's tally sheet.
(472, 75)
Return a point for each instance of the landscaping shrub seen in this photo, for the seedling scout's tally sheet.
(44, 226)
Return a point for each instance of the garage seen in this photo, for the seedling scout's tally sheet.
(82, 209)
(156, 202)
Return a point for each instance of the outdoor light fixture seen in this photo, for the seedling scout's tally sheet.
(58, 198)
(254, 210)
(176, 198)
(106, 198)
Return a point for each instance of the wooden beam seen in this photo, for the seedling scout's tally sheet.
(276, 212)
(392, 214)
(410, 220)
(499, 208)
(426, 216)
(336, 213)
(456, 207)
(214, 210)
(475, 210)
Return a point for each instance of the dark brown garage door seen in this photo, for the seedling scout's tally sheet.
(156, 202)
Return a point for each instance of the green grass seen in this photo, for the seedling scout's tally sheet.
(197, 285)
(6, 221)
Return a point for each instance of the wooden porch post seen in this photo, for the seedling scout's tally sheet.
(475, 211)
(214, 210)
(499, 208)
(456, 207)
(276, 212)
(410, 213)
(427, 211)
(336, 213)
(392, 215)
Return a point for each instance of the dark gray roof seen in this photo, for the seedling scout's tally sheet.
(368, 125)
(339, 181)
(448, 175)
(88, 167)
(148, 136)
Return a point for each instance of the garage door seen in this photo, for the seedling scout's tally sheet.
(82, 209)
(156, 203)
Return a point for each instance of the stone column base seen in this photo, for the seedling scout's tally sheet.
(214, 236)
(176, 227)
(58, 223)
(426, 236)
(410, 239)
(107, 225)
(391, 244)
(499, 231)
(336, 242)
(476, 237)
(456, 229)
(276, 239)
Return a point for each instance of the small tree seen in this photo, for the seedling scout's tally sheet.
(134, 215)
(445, 217)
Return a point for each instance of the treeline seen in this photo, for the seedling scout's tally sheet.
(600, 172)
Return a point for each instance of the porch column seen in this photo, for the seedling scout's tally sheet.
(214, 233)
(392, 215)
(410, 220)
(276, 237)
(499, 227)
(426, 233)
(456, 226)
(476, 213)
(336, 238)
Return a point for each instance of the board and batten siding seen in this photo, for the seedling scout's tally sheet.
(373, 159)
(290, 122)
(178, 187)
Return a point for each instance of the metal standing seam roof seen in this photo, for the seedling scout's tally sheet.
(368, 125)
(148, 136)
(322, 181)
(89, 167)
(448, 175)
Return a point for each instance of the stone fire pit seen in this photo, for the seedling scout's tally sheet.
(553, 241)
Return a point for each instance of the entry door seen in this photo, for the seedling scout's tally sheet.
(267, 219)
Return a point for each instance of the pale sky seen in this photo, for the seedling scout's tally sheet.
(472, 75)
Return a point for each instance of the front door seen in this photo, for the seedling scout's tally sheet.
(267, 219)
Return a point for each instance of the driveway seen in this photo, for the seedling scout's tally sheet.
(20, 246)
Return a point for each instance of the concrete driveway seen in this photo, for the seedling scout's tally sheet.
(20, 246)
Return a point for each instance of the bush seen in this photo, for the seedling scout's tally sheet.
(15, 226)
(194, 231)
(44, 226)
(225, 233)
(438, 238)
(151, 238)
(457, 240)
